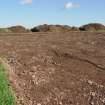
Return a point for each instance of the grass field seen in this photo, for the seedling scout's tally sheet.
(4, 30)
(6, 97)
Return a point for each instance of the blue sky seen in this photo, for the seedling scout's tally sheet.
(34, 12)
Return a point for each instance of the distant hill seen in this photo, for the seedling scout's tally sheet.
(19, 29)
(92, 27)
(66, 28)
(53, 28)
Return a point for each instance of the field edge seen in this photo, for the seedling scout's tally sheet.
(4, 67)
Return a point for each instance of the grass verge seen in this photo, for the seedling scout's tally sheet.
(5, 30)
(6, 96)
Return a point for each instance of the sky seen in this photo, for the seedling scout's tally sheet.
(30, 13)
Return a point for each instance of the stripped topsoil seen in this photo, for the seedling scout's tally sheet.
(56, 68)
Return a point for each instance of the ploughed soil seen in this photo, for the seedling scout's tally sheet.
(56, 68)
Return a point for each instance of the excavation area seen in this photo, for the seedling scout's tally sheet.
(47, 68)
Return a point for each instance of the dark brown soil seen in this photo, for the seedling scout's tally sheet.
(56, 68)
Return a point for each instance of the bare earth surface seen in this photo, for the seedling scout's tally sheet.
(56, 68)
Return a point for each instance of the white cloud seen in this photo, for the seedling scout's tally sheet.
(71, 5)
(23, 2)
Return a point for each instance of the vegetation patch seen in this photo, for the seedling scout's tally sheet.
(4, 30)
(6, 96)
